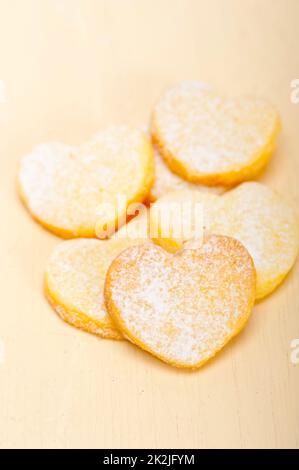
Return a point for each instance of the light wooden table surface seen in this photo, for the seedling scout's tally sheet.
(67, 69)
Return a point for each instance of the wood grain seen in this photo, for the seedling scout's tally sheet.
(69, 68)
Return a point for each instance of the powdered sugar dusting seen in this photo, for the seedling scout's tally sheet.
(75, 278)
(267, 226)
(184, 307)
(72, 188)
(211, 134)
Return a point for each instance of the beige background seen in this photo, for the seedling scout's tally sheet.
(69, 68)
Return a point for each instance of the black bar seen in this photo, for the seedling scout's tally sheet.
(147, 458)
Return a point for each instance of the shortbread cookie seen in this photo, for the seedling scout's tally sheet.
(166, 181)
(83, 192)
(182, 308)
(212, 140)
(75, 277)
(254, 214)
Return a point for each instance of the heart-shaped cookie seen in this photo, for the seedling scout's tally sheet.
(75, 277)
(83, 192)
(257, 216)
(182, 308)
(208, 139)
